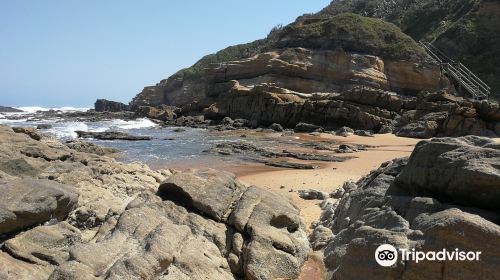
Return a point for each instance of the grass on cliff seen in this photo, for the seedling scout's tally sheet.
(421, 19)
(353, 33)
(228, 54)
(350, 32)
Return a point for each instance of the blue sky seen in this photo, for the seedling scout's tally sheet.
(69, 53)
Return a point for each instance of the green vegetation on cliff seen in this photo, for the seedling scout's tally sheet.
(421, 19)
(348, 31)
(351, 32)
(466, 30)
(228, 54)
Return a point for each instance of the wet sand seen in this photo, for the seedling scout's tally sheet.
(331, 175)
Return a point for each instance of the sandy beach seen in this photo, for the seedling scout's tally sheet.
(331, 175)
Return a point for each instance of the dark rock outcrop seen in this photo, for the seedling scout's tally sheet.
(111, 135)
(305, 127)
(253, 152)
(103, 105)
(4, 109)
(44, 126)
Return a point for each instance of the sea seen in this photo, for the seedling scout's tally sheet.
(169, 147)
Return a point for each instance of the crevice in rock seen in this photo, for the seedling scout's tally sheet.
(283, 221)
(281, 248)
(16, 256)
(177, 195)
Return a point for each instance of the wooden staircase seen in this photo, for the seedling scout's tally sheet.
(465, 79)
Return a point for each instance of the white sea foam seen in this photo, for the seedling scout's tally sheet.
(134, 124)
(34, 109)
(7, 121)
(67, 129)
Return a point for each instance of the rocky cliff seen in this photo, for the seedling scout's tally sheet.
(330, 69)
(326, 55)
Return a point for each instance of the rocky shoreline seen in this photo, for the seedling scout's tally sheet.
(69, 210)
(114, 220)
(125, 221)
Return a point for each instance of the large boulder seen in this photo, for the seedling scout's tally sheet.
(451, 169)
(269, 224)
(28, 202)
(210, 191)
(277, 244)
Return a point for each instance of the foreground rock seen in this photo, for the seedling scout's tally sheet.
(393, 206)
(462, 171)
(28, 202)
(184, 238)
(30, 131)
(111, 135)
(130, 222)
(209, 191)
(311, 194)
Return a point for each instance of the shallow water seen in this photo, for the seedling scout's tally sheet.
(167, 148)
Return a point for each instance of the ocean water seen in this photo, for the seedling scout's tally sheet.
(167, 148)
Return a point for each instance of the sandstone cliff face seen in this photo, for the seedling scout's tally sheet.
(301, 70)
(320, 55)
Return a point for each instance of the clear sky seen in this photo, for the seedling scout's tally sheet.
(69, 52)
